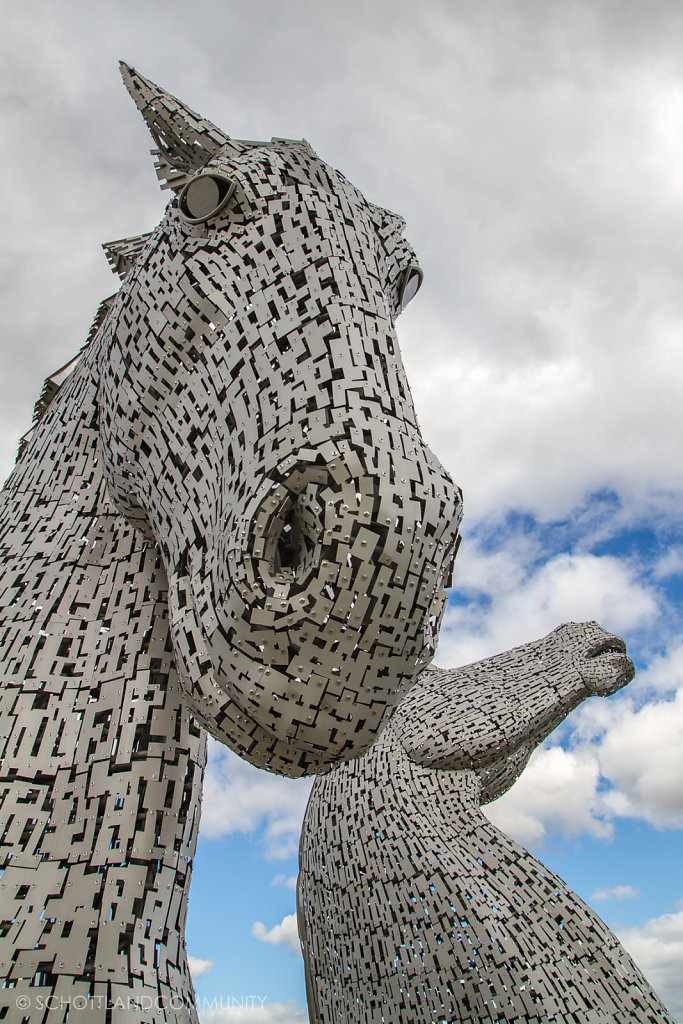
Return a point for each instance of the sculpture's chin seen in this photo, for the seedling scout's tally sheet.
(605, 673)
(257, 710)
(329, 715)
(316, 676)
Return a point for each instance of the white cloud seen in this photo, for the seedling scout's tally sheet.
(288, 881)
(283, 934)
(624, 762)
(580, 587)
(616, 892)
(657, 948)
(480, 570)
(670, 564)
(268, 1013)
(199, 966)
(664, 672)
(544, 389)
(535, 599)
(240, 798)
(543, 347)
(642, 757)
(558, 792)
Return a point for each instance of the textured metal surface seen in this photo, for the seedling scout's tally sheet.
(256, 422)
(413, 907)
(224, 517)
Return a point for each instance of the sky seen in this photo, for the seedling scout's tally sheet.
(535, 150)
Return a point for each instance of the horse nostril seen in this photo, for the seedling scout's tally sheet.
(288, 551)
(289, 539)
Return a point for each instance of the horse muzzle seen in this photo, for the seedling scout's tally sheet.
(332, 589)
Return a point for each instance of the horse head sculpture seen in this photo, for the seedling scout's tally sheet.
(256, 422)
(224, 516)
(413, 906)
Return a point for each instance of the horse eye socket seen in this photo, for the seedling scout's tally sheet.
(204, 197)
(410, 282)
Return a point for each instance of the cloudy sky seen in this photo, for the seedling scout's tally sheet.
(535, 149)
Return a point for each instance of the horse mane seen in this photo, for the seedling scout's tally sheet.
(122, 254)
(53, 383)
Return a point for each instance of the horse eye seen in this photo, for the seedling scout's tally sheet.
(409, 284)
(204, 197)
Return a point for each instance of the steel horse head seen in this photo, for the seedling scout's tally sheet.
(256, 422)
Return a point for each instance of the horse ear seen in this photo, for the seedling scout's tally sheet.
(185, 141)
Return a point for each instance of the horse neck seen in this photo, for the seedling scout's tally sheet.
(94, 720)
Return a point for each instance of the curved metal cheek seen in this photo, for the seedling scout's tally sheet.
(209, 696)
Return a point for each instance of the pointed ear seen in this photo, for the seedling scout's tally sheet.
(185, 141)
